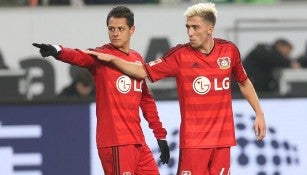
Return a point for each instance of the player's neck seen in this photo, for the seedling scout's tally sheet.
(124, 49)
(207, 47)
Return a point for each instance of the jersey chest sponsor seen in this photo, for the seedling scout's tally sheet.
(125, 84)
(202, 84)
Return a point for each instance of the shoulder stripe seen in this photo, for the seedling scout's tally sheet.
(223, 41)
(173, 50)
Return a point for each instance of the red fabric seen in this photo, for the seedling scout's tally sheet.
(209, 161)
(118, 98)
(204, 91)
(133, 159)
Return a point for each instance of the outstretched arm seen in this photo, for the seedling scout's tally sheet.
(248, 91)
(72, 56)
(133, 69)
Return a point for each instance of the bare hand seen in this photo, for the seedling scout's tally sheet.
(99, 55)
(260, 127)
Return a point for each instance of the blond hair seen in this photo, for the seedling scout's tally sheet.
(205, 10)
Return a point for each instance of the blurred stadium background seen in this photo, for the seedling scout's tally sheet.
(42, 134)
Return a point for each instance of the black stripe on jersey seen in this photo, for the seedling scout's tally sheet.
(111, 47)
(173, 50)
(116, 164)
(223, 41)
(167, 54)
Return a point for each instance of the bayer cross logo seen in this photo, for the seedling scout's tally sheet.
(201, 85)
(269, 155)
(123, 84)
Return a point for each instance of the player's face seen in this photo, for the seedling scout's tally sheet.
(120, 33)
(285, 51)
(199, 31)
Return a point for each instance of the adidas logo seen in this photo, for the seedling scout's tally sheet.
(195, 65)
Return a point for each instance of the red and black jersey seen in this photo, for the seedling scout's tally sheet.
(204, 91)
(118, 98)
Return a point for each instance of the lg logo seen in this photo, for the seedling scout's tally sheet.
(202, 85)
(124, 84)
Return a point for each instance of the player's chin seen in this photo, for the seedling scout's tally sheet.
(194, 45)
(117, 44)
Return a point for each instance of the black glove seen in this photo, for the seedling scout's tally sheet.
(46, 50)
(164, 149)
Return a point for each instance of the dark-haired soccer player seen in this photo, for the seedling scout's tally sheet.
(120, 140)
(203, 69)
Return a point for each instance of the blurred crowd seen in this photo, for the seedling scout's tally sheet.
(71, 2)
(81, 86)
(264, 61)
(2, 63)
(97, 2)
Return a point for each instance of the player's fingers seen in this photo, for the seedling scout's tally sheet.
(91, 52)
(259, 138)
(167, 160)
(86, 51)
(256, 130)
(37, 45)
(262, 133)
(162, 159)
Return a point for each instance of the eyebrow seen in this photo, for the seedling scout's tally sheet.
(193, 25)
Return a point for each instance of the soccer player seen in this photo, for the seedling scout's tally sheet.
(203, 69)
(120, 140)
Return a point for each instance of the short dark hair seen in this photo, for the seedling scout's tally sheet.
(122, 12)
(282, 42)
(209, 16)
(83, 76)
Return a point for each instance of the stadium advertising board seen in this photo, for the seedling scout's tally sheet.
(44, 139)
(49, 139)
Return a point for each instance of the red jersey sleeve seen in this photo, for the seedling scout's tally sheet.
(238, 70)
(76, 57)
(150, 113)
(164, 67)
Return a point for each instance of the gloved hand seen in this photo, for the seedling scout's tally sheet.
(164, 149)
(46, 49)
